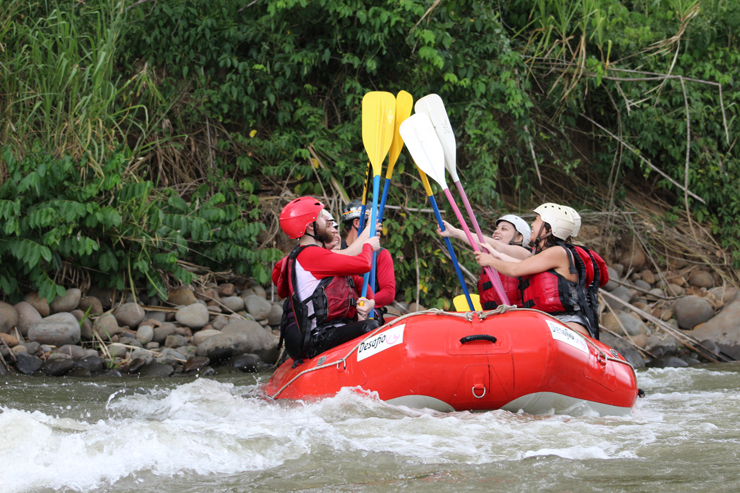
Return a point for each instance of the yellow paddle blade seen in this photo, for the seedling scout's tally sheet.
(378, 116)
(364, 186)
(425, 181)
(461, 304)
(404, 105)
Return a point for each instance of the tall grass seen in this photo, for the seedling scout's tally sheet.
(58, 86)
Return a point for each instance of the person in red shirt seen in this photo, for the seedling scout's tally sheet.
(385, 276)
(322, 286)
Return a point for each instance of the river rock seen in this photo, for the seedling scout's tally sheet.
(161, 332)
(106, 326)
(117, 350)
(194, 316)
(181, 296)
(662, 345)
(27, 316)
(612, 284)
(39, 304)
(145, 334)
(721, 293)
(233, 303)
(58, 367)
(57, 330)
(226, 289)
(53, 356)
(175, 341)
(66, 303)
(91, 305)
(18, 349)
(93, 364)
(160, 317)
(220, 322)
(621, 292)
(202, 335)
(723, 329)
(195, 363)
(701, 279)
(8, 317)
(73, 351)
(667, 362)
(135, 365)
(27, 363)
(647, 276)
(276, 315)
(10, 341)
(169, 356)
(246, 363)
(240, 336)
(691, 311)
(632, 325)
(633, 256)
(643, 285)
(674, 290)
(690, 360)
(143, 355)
(156, 370)
(130, 315)
(258, 306)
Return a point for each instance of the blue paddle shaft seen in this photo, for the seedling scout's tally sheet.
(373, 221)
(362, 219)
(381, 211)
(452, 253)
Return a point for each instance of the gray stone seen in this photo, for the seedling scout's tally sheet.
(94, 364)
(58, 367)
(156, 370)
(143, 354)
(701, 279)
(104, 295)
(276, 315)
(220, 322)
(54, 356)
(723, 329)
(247, 363)
(66, 303)
(643, 285)
(145, 334)
(259, 290)
(158, 316)
(181, 296)
(195, 363)
(613, 278)
(27, 363)
(130, 315)
(194, 316)
(226, 289)
(722, 293)
(39, 304)
(161, 332)
(648, 276)
(186, 351)
(674, 290)
(58, 329)
(662, 345)
(667, 362)
(241, 336)
(78, 372)
(106, 326)
(153, 345)
(258, 306)
(175, 341)
(8, 317)
(202, 335)
(169, 356)
(32, 346)
(73, 351)
(632, 325)
(91, 306)
(27, 316)
(690, 360)
(691, 311)
(117, 350)
(233, 303)
(623, 294)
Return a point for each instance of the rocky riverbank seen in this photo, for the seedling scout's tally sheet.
(673, 318)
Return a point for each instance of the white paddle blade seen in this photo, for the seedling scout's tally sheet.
(433, 107)
(422, 142)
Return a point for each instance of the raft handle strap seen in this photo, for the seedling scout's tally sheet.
(478, 337)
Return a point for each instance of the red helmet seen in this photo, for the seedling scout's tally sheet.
(298, 214)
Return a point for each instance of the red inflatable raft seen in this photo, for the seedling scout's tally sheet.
(478, 361)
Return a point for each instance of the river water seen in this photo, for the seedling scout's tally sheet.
(217, 434)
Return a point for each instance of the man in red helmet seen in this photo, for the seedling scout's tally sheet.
(322, 286)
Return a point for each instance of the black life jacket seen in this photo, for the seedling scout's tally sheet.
(552, 293)
(333, 300)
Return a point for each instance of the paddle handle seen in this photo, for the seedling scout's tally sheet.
(373, 222)
(381, 210)
(495, 279)
(499, 290)
(455, 263)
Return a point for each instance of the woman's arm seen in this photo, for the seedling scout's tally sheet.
(514, 251)
(552, 258)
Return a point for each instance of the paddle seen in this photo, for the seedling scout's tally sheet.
(422, 142)
(430, 195)
(364, 199)
(378, 110)
(459, 303)
(433, 106)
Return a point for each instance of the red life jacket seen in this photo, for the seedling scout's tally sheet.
(596, 269)
(489, 300)
(334, 299)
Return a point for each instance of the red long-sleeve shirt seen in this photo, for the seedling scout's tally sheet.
(385, 277)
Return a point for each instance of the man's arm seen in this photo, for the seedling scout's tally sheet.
(386, 280)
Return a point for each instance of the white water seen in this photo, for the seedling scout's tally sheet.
(208, 435)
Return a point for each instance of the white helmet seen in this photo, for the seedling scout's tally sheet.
(577, 219)
(559, 217)
(520, 225)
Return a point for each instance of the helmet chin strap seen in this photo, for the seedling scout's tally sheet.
(540, 238)
(315, 227)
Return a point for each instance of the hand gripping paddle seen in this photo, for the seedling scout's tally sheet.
(378, 117)
(421, 139)
(433, 106)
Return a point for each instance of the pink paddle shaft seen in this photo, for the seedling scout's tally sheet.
(495, 279)
(499, 288)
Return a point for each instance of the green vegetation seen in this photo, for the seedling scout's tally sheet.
(143, 140)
